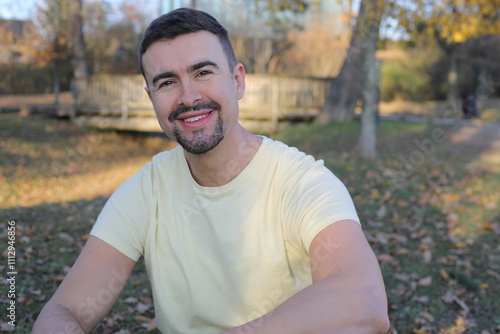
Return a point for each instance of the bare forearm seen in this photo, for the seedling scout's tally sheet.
(320, 309)
(57, 319)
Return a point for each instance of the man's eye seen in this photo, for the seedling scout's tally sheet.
(203, 73)
(165, 83)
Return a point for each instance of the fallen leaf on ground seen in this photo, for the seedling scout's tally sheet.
(150, 323)
(426, 281)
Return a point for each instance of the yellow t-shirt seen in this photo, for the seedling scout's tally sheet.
(218, 257)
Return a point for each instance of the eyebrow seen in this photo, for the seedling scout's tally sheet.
(202, 64)
(163, 75)
(191, 68)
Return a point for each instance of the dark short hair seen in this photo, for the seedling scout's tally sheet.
(184, 21)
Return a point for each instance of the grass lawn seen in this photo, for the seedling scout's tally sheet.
(429, 209)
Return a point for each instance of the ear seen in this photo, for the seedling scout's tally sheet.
(149, 93)
(239, 76)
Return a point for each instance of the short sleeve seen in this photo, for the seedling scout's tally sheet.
(124, 220)
(314, 199)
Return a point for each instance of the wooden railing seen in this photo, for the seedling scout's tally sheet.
(120, 102)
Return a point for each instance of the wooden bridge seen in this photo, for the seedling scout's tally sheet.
(270, 103)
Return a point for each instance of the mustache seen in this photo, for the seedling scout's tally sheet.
(182, 109)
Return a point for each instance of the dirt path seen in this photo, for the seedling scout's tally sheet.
(479, 139)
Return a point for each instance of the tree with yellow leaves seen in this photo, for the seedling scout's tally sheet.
(450, 23)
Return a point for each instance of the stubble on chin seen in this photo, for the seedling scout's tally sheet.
(201, 142)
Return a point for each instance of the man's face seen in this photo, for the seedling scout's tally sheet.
(194, 92)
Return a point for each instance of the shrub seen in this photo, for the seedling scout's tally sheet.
(398, 83)
(410, 75)
(27, 79)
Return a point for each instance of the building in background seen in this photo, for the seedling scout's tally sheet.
(282, 42)
(251, 17)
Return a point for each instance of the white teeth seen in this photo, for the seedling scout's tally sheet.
(194, 119)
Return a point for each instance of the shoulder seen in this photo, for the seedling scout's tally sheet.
(144, 180)
(284, 153)
(290, 161)
(167, 157)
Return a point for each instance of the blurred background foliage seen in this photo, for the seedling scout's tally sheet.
(298, 38)
(420, 72)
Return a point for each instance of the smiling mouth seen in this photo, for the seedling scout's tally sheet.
(194, 113)
(196, 118)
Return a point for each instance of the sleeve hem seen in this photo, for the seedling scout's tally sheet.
(117, 244)
(318, 228)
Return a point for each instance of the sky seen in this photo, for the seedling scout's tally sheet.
(15, 9)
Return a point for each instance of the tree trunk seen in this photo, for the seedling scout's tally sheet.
(484, 88)
(368, 134)
(80, 69)
(346, 88)
(57, 83)
(194, 4)
(453, 78)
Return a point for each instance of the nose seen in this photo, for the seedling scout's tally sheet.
(190, 94)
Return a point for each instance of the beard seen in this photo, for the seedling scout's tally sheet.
(200, 141)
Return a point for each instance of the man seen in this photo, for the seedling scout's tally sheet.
(239, 233)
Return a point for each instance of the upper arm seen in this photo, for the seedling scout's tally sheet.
(342, 249)
(94, 282)
(343, 263)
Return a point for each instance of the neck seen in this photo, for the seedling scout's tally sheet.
(226, 161)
